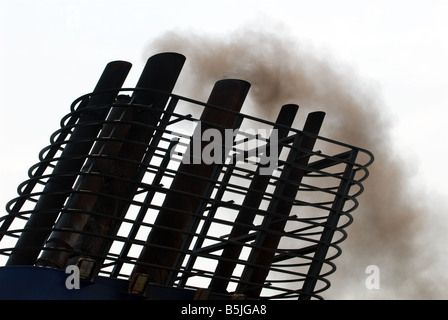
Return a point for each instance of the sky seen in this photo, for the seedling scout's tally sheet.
(54, 51)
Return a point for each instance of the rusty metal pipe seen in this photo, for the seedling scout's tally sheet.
(253, 278)
(58, 186)
(251, 203)
(167, 236)
(111, 174)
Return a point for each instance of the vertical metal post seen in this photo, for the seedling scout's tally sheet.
(200, 212)
(329, 228)
(263, 252)
(250, 205)
(191, 181)
(156, 182)
(207, 223)
(66, 170)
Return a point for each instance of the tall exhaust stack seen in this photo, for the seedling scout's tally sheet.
(148, 201)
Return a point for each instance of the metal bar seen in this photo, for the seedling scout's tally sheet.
(294, 253)
(253, 200)
(156, 181)
(138, 169)
(73, 156)
(115, 160)
(329, 162)
(211, 212)
(207, 223)
(330, 227)
(262, 255)
(142, 212)
(178, 209)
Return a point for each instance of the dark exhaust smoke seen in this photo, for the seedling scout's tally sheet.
(387, 223)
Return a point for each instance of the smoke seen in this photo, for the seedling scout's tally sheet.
(388, 226)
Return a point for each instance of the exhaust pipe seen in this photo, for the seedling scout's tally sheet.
(58, 187)
(168, 238)
(104, 192)
(250, 205)
(266, 243)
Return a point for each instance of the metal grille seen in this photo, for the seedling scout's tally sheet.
(261, 212)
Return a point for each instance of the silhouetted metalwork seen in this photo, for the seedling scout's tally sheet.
(121, 191)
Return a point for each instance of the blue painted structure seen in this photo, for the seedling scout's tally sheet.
(38, 283)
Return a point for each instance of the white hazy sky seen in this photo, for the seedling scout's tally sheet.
(54, 51)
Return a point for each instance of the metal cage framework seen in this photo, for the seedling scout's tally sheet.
(121, 188)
